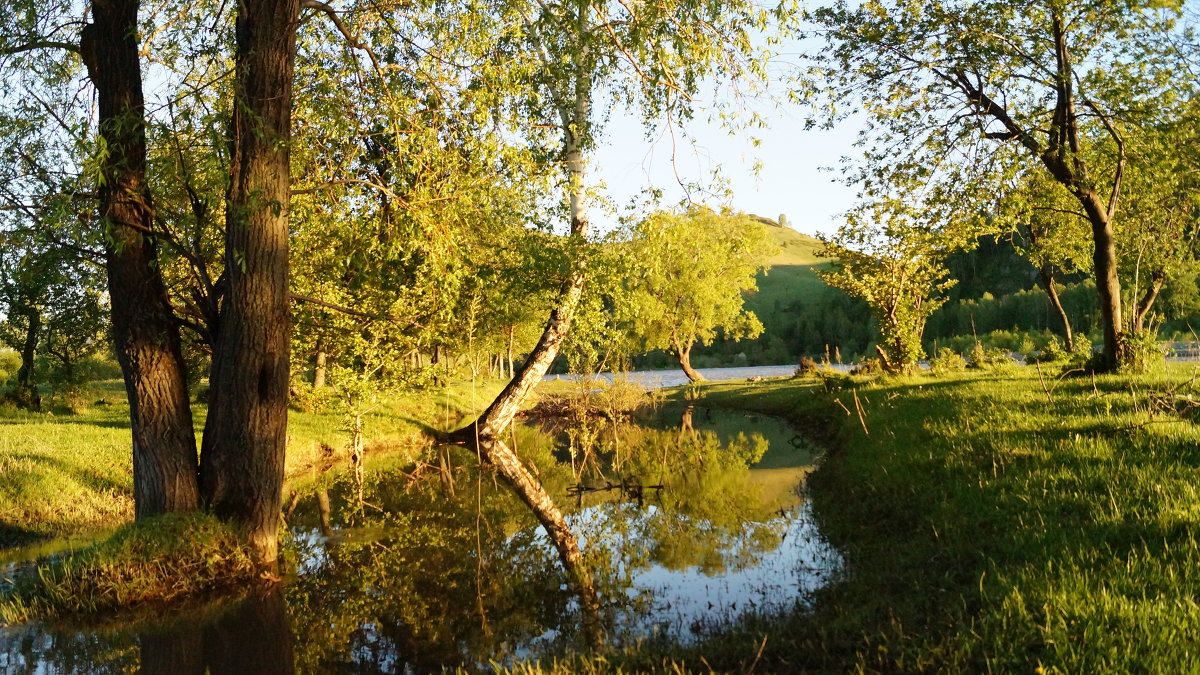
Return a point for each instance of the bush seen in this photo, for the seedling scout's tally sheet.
(989, 359)
(868, 367)
(306, 398)
(947, 361)
(807, 367)
(1141, 349)
(10, 363)
(1051, 353)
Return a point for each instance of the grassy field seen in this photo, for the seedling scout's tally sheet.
(69, 472)
(995, 523)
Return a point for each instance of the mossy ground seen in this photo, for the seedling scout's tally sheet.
(153, 561)
(67, 473)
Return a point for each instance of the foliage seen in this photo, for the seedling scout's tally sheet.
(956, 116)
(693, 270)
(1143, 349)
(1052, 352)
(947, 361)
(10, 362)
(893, 262)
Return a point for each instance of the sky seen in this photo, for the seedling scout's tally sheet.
(794, 178)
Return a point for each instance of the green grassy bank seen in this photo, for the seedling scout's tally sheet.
(69, 471)
(993, 523)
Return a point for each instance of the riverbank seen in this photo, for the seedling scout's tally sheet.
(999, 521)
(996, 522)
(69, 472)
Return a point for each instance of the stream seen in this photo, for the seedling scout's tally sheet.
(689, 518)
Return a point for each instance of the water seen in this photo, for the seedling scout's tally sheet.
(655, 379)
(415, 570)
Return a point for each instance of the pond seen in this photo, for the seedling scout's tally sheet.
(688, 518)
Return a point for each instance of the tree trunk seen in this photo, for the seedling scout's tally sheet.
(144, 328)
(27, 394)
(501, 412)
(1108, 285)
(319, 365)
(246, 432)
(1047, 276)
(684, 356)
(511, 331)
(530, 490)
(1142, 310)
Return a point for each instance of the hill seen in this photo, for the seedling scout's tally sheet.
(799, 312)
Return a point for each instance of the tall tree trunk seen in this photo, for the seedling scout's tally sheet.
(319, 365)
(27, 393)
(683, 354)
(1108, 285)
(500, 413)
(143, 322)
(246, 431)
(1047, 276)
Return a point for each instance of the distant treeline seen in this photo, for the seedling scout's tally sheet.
(997, 299)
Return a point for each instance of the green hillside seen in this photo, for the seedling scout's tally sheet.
(792, 274)
(799, 312)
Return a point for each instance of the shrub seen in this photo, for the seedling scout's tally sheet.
(1051, 353)
(947, 361)
(807, 367)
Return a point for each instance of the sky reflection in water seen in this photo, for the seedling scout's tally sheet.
(435, 571)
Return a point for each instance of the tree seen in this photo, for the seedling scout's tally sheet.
(693, 271)
(144, 327)
(652, 56)
(245, 434)
(893, 261)
(1052, 236)
(1056, 85)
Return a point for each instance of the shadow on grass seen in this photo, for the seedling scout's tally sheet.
(50, 466)
(12, 535)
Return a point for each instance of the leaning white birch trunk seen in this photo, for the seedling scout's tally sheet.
(482, 434)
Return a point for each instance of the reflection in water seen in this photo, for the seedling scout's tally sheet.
(420, 577)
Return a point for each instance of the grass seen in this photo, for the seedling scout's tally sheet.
(990, 526)
(68, 472)
(157, 560)
(989, 522)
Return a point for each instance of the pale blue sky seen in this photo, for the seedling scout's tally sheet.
(791, 179)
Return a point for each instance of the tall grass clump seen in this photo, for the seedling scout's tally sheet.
(157, 560)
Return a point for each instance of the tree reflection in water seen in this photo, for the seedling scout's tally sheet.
(421, 577)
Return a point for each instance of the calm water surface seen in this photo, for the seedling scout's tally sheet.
(654, 379)
(689, 518)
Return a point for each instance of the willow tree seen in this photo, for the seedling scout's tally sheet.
(692, 273)
(891, 256)
(43, 52)
(1055, 84)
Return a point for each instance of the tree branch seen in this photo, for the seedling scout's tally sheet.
(352, 40)
(39, 44)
